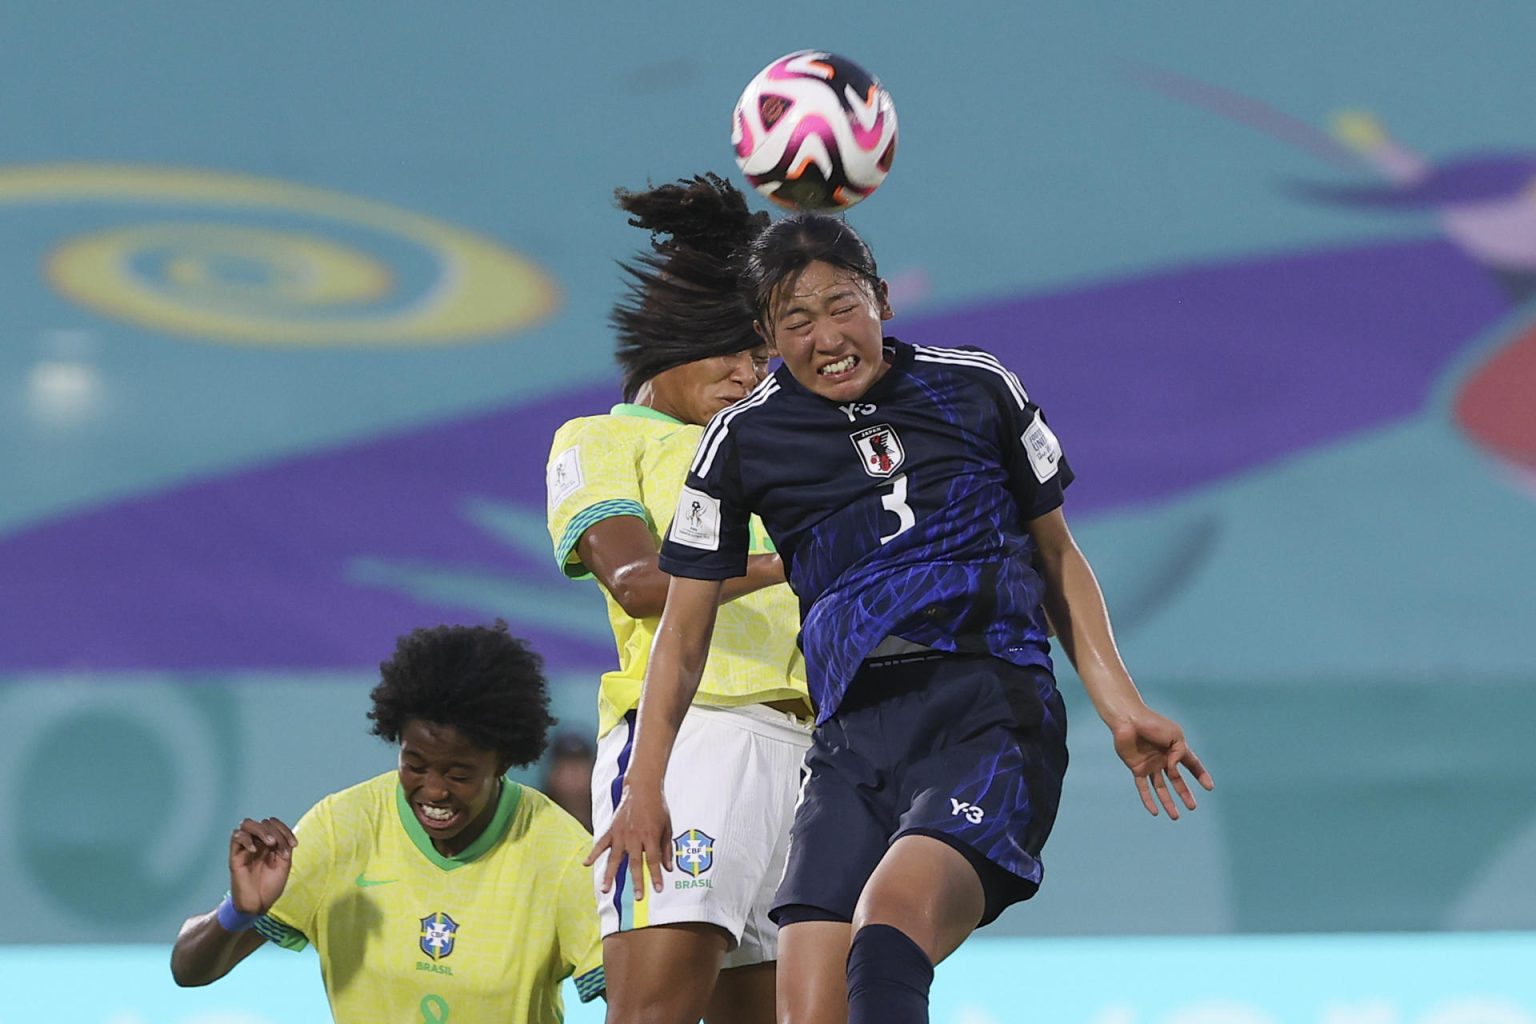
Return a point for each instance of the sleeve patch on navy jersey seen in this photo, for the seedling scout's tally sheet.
(1043, 449)
(564, 477)
(697, 521)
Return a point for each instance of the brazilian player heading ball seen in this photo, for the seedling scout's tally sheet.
(438, 891)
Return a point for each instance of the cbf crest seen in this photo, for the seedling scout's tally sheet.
(880, 451)
(437, 935)
(694, 852)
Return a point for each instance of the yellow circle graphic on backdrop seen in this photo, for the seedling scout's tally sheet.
(335, 280)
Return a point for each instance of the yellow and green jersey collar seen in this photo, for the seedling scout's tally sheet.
(506, 806)
(643, 412)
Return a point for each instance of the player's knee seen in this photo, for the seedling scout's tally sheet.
(649, 1014)
(896, 913)
(663, 974)
(654, 1007)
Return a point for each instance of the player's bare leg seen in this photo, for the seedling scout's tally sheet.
(922, 901)
(664, 974)
(926, 889)
(813, 966)
(743, 995)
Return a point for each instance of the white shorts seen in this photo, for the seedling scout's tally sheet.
(731, 787)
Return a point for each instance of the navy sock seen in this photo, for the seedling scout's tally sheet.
(888, 978)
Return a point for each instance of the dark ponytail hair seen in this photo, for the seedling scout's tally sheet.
(788, 246)
(683, 300)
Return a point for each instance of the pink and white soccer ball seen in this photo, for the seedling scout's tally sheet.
(814, 131)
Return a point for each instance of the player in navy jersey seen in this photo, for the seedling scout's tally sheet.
(914, 495)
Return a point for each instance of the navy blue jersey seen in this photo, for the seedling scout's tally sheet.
(900, 514)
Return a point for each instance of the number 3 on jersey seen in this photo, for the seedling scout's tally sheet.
(896, 501)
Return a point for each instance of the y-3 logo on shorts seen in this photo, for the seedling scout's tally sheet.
(970, 812)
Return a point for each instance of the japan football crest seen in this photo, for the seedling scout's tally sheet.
(437, 935)
(694, 852)
(880, 451)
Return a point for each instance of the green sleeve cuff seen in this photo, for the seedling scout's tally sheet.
(582, 522)
(277, 933)
(591, 985)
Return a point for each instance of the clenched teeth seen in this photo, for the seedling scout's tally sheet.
(843, 365)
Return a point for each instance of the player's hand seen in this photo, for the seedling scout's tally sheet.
(640, 834)
(260, 857)
(1153, 748)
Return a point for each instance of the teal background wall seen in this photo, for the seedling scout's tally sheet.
(294, 297)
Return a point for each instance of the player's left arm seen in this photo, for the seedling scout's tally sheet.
(706, 544)
(641, 830)
(1152, 746)
(619, 551)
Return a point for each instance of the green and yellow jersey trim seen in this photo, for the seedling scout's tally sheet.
(506, 806)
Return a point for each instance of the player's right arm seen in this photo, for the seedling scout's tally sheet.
(260, 858)
(642, 827)
(599, 522)
(619, 551)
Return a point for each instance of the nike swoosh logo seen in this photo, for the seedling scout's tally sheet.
(364, 882)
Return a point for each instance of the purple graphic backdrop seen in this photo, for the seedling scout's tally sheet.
(1157, 384)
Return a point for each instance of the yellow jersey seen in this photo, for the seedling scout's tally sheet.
(406, 935)
(633, 462)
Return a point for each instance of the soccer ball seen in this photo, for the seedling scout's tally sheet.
(814, 131)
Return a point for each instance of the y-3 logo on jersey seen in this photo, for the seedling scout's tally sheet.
(880, 450)
(970, 812)
(853, 410)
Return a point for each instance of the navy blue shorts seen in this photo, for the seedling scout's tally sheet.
(967, 748)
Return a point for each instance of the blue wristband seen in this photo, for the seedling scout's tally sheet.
(232, 920)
